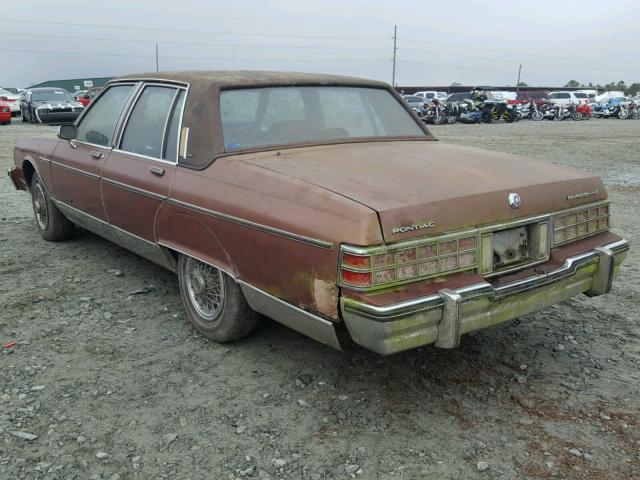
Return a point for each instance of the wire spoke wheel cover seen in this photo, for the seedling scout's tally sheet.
(205, 288)
(40, 206)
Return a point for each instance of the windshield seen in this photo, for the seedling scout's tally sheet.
(5, 92)
(50, 95)
(255, 117)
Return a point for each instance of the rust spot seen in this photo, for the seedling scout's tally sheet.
(326, 297)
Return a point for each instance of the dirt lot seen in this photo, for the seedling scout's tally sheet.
(119, 386)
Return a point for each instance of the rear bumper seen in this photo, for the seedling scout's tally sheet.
(443, 317)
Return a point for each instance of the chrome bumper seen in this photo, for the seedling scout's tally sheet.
(443, 317)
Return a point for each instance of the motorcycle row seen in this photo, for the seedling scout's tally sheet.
(483, 110)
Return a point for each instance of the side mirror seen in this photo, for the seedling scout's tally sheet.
(67, 132)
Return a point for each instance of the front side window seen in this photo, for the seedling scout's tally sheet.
(144, 133)
(99, 123)
(271, 116)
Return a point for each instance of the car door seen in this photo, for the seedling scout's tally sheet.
(76, 165)
(137, 176)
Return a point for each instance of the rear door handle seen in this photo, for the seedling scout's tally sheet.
(157, 171)
(97, 155)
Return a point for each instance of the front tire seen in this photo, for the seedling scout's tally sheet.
(214, 302)
(52, 224)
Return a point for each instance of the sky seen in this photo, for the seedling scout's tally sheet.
(438, 42)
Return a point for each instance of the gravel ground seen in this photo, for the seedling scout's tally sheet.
(110, 384)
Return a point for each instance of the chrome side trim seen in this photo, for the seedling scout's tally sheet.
(569, 268)
(86, 221)
(143, 247)
(75, 170)
(257, 226)
(291, 316)
(44, 159)
(133, 189)
(129, 241)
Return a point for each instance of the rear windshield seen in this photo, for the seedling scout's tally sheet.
(256, 117)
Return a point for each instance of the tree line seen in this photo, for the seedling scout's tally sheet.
(630, 90)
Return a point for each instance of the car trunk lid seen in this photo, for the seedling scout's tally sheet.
(434, 186)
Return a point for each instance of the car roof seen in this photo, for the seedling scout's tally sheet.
(252, 78)
(202, 116)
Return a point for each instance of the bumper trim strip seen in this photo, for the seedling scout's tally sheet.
(601, 254)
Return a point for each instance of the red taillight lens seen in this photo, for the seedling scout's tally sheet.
(356, 261)
(357, 279)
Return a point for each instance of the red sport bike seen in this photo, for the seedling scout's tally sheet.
(584, 109)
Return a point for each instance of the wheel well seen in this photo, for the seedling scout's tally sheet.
(27, 172)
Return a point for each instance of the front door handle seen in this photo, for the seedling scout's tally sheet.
(157, 171)
(96, 155)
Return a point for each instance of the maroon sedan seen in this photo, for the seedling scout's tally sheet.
(322, 202)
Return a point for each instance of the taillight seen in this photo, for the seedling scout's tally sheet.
(580, 222)
(357, 279)
(378, 267)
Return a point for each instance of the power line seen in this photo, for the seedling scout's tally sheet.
(204, 44)
(464, 67)
(128, 9)
(164, 30)
(182, 57)
(515, 61)
(507, 52)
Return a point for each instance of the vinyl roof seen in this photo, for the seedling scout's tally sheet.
(254, 78)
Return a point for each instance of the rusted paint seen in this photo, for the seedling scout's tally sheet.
(326, 297)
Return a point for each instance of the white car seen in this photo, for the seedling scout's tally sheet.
(431, 94)
(12, 99)
(566, 98)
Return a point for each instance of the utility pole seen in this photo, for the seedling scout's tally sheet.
(395, 48)
(157, 68)
(518, 82)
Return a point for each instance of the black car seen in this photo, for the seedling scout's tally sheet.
(49, 105)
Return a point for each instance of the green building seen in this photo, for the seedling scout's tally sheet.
(74, 84)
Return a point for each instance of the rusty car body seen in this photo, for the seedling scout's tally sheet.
(322, 202)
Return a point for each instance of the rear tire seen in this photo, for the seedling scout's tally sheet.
(576, 116)
(52, 224)
(214, 302)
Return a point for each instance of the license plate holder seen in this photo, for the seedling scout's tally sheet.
(510, 247)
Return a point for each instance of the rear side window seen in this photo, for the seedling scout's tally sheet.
(150, 120)
(580, 95)
(99, 123)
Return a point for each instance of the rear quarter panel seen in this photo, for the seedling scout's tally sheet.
(295, 271)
